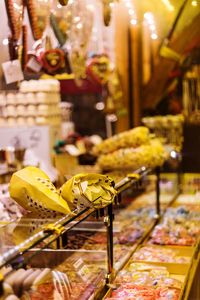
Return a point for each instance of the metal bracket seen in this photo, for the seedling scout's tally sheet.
(51, 228)
(107, 221)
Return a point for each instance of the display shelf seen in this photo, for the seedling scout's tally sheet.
(56, 231)
(51, 231)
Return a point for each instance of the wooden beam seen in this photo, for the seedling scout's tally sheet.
(159, 82)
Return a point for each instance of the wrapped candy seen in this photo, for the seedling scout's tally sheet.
(158, 254)
(131, 138)
(32, 189)
(88, 190)
(180, 226)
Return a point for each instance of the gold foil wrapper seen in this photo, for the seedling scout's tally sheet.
(89, 190)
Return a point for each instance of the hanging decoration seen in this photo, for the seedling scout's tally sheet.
(24, 58)
(107, 12)
(100, 72)
(98, 69)
(53, 60)
(63, 2)
(38, 11)
(80, 18)
(15, 11)
(59, 22)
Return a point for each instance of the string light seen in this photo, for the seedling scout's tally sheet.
(5, 42)
(133, 22)
(131, 11)
(168, 5)
(149, 19)
(154, 36)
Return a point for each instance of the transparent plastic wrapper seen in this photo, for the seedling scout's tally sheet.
(31, 224)
(131, 138)
(160, 254)
(88, 190)
(134, 292)
(32, 189)
(80, 20)
(150, 156)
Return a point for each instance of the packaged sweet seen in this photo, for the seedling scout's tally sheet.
(180, 226)
(134, 292)
(150, 156)
(32, 189)
(159, 254)
(131, 138)
(89, 190)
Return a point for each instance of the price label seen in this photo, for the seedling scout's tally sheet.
(79, 263)
(84, 272)
(34, 65)
(12, 71)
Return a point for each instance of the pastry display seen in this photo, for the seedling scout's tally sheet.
(131, 138)
(38, 102)
(42, 85)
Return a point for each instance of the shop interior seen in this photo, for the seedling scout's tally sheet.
(99, 150)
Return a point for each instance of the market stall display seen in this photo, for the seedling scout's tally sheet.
(147, 273)
(87, 216)
(151, 155)
(180, 226)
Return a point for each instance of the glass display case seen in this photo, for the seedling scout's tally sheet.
(82, 256)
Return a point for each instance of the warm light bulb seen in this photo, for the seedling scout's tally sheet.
(152, 27)
(5, 42)
(133, 22)
(128, 4)
(168, 5)
(79, 25)
(154, 36)
(194, 3)
(131, 12)
(100, 106)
